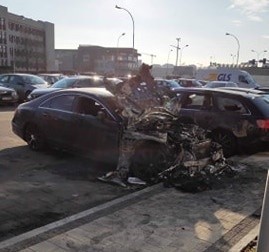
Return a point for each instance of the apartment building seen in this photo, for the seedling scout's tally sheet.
(26, 45)
(97, 59)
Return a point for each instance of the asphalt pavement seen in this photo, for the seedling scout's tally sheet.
(156, 218)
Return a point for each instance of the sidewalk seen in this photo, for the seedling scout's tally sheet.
(160, 219)
(154, 219)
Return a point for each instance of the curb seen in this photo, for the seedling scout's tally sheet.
(49, 230)
(246, 240)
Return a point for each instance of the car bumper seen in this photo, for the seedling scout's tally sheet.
(17, 130)
(8, 99)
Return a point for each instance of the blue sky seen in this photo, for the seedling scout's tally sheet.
(201, 24)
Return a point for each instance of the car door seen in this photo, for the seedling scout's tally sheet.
(17, 83)
(199, 108)
(98, 132)
(233, 115)
(55, 117)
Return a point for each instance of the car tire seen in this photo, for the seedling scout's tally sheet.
(34, 138)
(227, 140)
(149, 159)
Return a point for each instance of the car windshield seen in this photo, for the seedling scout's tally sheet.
(173, 84)
(64, 83)
(33, 80)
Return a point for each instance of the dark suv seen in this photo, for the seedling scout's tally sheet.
(232, 117)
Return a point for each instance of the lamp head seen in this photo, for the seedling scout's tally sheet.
(123, 34)
(117, 7)
(227, 33)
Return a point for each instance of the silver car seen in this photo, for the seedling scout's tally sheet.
(24, 84)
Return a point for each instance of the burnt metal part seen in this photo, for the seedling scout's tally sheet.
(157, 146)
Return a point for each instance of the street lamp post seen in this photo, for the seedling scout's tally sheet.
(238, 44)
(118, 7)
(119, 38)
(117, 56)
(181, 50)
(258, 54)
(177, 47)
(171, 50)
(233, 56)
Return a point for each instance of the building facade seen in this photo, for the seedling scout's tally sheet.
(26, 45)
(111, 61)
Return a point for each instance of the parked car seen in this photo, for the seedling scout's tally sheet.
(69, 82)
(186, 83)
(24, 84)
(8, 95)
(233, 118)
(90, 121)
(165, 86)
(218, 84)
(70, 120)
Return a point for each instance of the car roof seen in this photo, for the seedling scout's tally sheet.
(96, 91)
(233, 91)
(220, 82)
(20, 74)
(85, 77)
(246, 90)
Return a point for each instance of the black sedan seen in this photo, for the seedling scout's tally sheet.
(69, 82)
(81, 120)
(8, 95)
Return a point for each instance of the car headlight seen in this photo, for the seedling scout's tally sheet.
(3, 92)
(29, 97)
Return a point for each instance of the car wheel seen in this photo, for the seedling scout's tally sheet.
(227, 141)
(34, 138)
(149, 159)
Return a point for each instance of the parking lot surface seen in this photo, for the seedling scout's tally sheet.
(223, 219)
(86, 215)
(41, 187)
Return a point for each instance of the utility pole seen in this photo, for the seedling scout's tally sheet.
(178, 48)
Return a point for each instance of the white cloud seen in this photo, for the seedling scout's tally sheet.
(237, 23)
(251, 8)
(265, 36)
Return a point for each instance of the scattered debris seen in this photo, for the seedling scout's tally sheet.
(157, 145)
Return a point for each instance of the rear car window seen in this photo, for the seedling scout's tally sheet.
(196, 101)
(34, 80)
(232, 105)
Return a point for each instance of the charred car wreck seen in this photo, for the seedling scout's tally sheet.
(157, 145)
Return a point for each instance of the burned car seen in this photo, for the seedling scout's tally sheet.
(235, 117)
(186, 157)
(131, 125)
